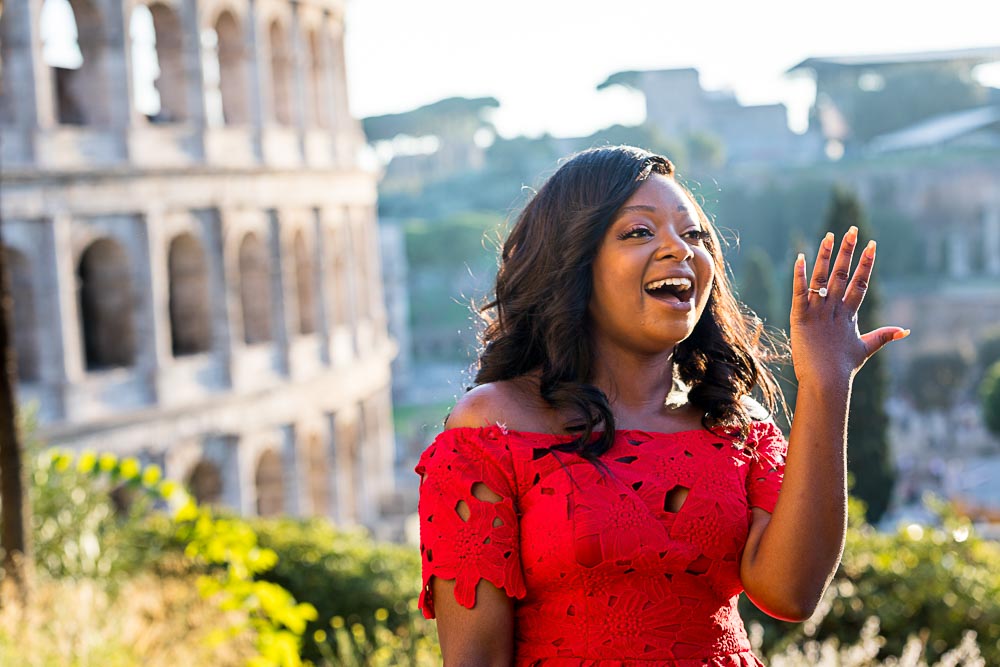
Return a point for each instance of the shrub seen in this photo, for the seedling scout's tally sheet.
(937, 583)
(343, 574)
(989, 395)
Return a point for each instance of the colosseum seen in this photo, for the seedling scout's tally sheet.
(193, 255)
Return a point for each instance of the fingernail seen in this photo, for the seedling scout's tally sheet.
(852, 233)
(900, 335)
(828, 239)
(870, 248)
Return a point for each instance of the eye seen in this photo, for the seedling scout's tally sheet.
(697, 235)
(636, 232)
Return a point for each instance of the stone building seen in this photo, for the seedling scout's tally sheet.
(200, 286)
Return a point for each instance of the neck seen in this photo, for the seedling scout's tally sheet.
(636, 385)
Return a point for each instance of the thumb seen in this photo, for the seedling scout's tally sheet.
(879, 338)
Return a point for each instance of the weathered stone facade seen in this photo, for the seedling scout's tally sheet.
(201, 288)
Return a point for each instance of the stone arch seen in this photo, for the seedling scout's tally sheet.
(270, 484)
(106, 305)
(205, 482)
(318, 475)
(78, 61)
(255, 290)
(168, 53)
(282, 73)
(24, 330)
(188, 301)
(304, 290)
(318, 73)
(232, 69)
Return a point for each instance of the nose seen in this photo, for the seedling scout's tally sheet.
(672, 246)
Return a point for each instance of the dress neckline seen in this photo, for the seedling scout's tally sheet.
(569, 436)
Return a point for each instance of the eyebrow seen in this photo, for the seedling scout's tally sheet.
(645, 208)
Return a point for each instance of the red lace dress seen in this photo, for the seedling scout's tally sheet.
(603, 573)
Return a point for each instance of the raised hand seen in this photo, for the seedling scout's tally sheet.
(826, 343)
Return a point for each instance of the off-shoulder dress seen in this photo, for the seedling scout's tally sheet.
(603, 571)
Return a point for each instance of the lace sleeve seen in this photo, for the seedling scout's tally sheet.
(463, 537)
(767, 470)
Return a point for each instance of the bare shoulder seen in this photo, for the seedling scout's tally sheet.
(515, 404)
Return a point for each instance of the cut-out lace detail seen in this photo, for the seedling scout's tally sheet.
(635, 563)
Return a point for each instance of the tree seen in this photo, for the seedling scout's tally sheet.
(935, 379)
(989, 393)
(14, 510)
(455, 119)
(868, 455)
(757, 285)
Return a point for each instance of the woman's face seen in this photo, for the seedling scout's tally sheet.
(653, 271)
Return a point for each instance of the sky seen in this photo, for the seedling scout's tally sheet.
(542, 59)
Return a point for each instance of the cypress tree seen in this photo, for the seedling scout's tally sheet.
(869, 460)
(757, 285)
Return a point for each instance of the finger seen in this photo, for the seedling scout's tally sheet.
(841, 273)
(862, 275)
(821, 270)
(879, 338)
(800, 293)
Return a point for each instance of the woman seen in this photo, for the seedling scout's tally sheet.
(607, 489)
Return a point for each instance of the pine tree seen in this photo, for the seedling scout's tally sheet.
(868, 457)
(757, 285)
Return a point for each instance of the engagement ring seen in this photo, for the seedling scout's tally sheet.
(821, 291)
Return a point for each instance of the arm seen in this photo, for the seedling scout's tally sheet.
(791, 556)
(484, 634)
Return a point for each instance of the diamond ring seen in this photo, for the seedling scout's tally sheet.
(821, 291)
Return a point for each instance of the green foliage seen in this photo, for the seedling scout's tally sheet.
(344, 574)
(989, 394)
(868, 456)
(937, 583)
(935, 379)
(454, 116)
(756, 285)
(988, 349)
(227, 546)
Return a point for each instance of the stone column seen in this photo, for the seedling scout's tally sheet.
(294, 483)
(65, 281)
(116, 59)
(321, 288)
(991, 239)
(279, 316)
(194, 79)
(299, 73)
(155, 275)
(26, 93)
(252, 51)
(210, 221)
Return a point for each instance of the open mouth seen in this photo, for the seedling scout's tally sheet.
(673, 290)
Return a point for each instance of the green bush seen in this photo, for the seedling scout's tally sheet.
(936, 583)
(344, 574)
(989, 396)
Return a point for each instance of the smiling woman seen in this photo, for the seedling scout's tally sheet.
(609, 487)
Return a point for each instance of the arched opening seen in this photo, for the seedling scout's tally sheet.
(73, 45)
(190, 317)
(340, 308)
(304, 285)
(255, 290)
(270, 485)
(106, 304)
(281, 74)
(318, 475)
(232, 70)
(158, 81)
(317, 79)
(205, 483)
(23, 314)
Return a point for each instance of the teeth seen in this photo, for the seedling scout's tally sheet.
(683, 283)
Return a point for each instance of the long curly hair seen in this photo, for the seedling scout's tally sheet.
(537, 321)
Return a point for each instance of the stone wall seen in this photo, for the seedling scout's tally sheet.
(201, 287)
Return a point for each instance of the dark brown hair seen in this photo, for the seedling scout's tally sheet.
(538, 322)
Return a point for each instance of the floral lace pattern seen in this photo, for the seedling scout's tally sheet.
(634, 564)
